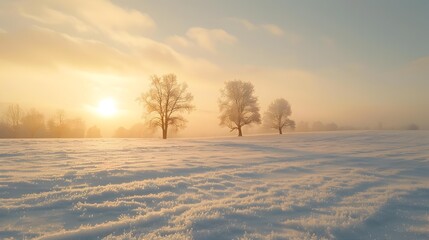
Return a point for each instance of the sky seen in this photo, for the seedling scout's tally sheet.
(356, 63)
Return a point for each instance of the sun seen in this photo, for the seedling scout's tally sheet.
(107, 107)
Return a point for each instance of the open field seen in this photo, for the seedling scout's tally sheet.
(342, 185)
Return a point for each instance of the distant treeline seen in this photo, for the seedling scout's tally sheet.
(18, 123)
(165, 103)
(138, 130)
(320, 126)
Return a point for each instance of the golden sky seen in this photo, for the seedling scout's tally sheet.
(345, 62)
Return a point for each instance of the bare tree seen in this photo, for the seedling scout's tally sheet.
(277, 116)
(413, 126)
(331, 127)
(75, 128)
(164, 102)
(121, 132)
(5, 130)
(13, 116)
(140, 130)
(318, 126)
(302, 127)
(93, 132)
(33, 122)
(238, 106)
(57, 124)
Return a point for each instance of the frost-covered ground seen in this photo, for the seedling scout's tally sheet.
(349, 185)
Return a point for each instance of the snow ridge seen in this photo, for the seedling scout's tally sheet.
(349, 185)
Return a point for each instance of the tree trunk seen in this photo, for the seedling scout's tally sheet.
(164, 133)
(280, 131)
(240, 133)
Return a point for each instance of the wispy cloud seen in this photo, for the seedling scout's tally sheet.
(204, 38)
(210, 38)
(273, 29)
(179, 41)
(58, 40)
(269, 28)
(82, 15)
(246, 23)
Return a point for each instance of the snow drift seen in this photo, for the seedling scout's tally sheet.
(348, 185)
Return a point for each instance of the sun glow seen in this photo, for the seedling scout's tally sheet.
(107, 107)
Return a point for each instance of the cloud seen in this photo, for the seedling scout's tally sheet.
(179, 41)
(96, 35)
(246, 23)
(271, 29)
(44, 47)
(40, 48)
(53, 17)
(208, 39)
(56, 46)
(82, 15)
(101, 13)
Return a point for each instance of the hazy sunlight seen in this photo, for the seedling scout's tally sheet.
(107, 107)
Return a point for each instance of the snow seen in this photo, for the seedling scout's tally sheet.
(338, 185)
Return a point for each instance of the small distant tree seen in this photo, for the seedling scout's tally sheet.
(238, 106)
(13, 117)
(277, 116)
(5, 130)
(318, 126)
(33, 123)
(140, 130)
(57, 124)
(413, 126)
(93, 132)
(331, 127)
(121, 132)
(302, 127)
(165, 101)
(75, 128)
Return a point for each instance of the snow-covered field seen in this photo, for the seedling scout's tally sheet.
(344, 185)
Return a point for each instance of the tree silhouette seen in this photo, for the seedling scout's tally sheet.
(13, 117)
(56, 124)
(93, 132)
(164, 102)
(277, 115)
(238, 106)
(32, 123)
(413, 126)
(318, 126)
(121, 132)
(74, 128)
